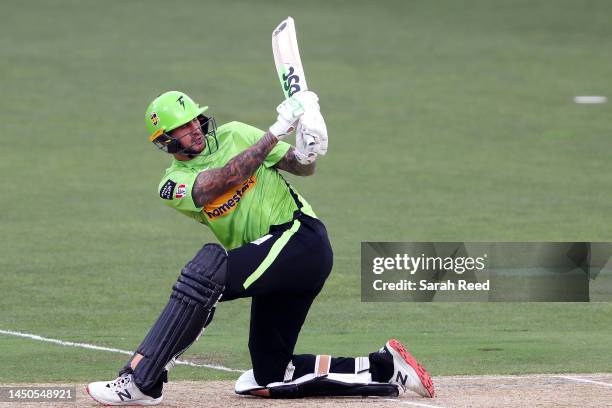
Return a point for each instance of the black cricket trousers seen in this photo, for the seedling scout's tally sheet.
(282, 272)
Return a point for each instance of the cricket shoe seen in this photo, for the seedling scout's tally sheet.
(408, 374)
(122, 391)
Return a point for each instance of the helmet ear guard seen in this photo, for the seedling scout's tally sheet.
(204, 121)
(209, 128)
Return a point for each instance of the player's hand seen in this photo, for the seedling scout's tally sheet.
(311, 135)
(314, 130)
(308, 99)
(289, 112)
(306, 146)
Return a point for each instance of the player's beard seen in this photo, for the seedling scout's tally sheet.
(210, 144)
(189, 152)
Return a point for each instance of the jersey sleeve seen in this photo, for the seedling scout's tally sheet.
(251, 135)
(175, 190)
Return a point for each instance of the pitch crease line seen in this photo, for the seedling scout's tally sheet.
(109, 349)
(538, 376)
(416, 404)
(584, 380)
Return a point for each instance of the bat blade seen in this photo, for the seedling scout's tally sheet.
(287, 58)
(288, 62)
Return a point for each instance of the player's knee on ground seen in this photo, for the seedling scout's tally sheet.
(268, 365)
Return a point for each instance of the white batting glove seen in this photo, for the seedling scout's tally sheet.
(289, 112)
(305, 148)
(308, 99)
(311, 136)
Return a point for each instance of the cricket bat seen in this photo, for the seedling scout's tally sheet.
(287, 60)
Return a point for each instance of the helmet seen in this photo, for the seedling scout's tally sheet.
(171, 110)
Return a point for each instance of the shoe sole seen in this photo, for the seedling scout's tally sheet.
(106, 404)
(420, 371)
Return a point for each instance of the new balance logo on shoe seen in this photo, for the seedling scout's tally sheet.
(124, 393)
(401, 379)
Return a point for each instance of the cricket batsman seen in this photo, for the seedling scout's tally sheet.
(273, 249)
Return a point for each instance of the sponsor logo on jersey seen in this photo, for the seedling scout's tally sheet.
(228, 201)
(181, 190)
(154, 119)
(167, 190)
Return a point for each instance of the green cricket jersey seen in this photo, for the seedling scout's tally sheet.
(245, 212)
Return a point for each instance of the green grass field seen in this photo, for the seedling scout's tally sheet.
(448, 121)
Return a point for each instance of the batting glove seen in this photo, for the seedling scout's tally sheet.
(289, 112)
(308, 99)
(305, 151)
(311, 136)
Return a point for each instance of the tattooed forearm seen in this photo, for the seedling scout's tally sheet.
(290, 164)
(212, 183)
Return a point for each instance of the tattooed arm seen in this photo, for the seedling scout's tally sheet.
(212, 183)
(290, 164)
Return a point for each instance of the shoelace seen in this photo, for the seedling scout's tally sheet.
(120, 384)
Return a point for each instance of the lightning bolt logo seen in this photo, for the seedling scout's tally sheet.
(181, 101)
